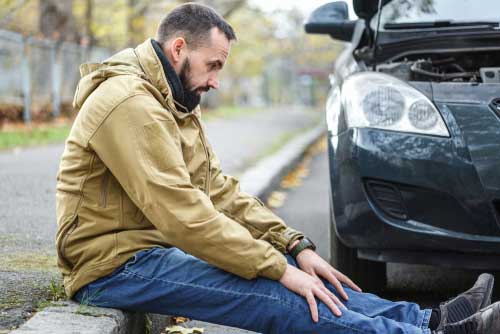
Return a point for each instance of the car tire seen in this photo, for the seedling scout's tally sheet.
(370, 276)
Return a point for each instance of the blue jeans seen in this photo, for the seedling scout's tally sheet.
(169, 281)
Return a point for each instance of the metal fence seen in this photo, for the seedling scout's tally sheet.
(40, 76)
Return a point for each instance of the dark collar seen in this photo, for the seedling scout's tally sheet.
(173, 79)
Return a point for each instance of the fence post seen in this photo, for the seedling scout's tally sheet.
(56, 79)
(26, 80)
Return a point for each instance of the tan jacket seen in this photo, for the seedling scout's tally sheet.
(137, 173)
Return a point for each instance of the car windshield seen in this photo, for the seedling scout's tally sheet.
(437, 14)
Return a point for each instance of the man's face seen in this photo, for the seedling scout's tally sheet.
(200, 69)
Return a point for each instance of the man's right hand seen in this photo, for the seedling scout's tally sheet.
(310, 287)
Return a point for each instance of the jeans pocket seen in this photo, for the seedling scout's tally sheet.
(137, 257)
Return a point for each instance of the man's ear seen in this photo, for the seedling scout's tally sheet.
(177, 48)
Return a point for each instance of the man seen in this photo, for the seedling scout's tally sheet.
(148, 222)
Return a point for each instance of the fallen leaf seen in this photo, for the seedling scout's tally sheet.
(276, 199)
(183, 330)
(179, 320)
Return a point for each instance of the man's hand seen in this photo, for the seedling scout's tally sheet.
(310, 262)
(310, 287)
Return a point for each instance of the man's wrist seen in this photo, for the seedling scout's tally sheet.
(284, 240)
(302, 244)
(293, 244)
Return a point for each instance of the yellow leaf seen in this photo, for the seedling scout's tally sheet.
(179, 320)
(276, 199)
(183, 330)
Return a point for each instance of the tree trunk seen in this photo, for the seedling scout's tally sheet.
(89, 35)
(56, 20)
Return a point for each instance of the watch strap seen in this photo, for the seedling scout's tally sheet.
(304, 243)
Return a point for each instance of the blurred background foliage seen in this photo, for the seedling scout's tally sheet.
(273, 62)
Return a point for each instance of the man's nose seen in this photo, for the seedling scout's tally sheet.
(213, 82)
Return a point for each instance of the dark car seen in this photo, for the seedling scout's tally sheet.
(414, 134)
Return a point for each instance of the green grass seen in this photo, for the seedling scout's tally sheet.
(55, 292)
(43, 304)
(34, 136)
(29, 261)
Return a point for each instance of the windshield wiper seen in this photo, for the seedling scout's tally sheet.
(441, 24)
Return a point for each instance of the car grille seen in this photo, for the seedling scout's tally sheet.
(387, 198)
(495, 105)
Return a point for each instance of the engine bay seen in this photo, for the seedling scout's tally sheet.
(473, 67)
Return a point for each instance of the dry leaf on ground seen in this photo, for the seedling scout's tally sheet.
(276, 199)
(179, 320)
(183, 330)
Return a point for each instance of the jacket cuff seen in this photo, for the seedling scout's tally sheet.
(276, 270)
(285, 238)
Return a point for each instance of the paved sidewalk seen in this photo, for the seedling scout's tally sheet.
(27, 203)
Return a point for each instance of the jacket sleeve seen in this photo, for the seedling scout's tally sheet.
(140, 143)
(248, 210)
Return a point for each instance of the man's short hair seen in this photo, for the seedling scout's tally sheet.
(193, 22)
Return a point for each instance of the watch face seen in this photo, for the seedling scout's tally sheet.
(309, 243)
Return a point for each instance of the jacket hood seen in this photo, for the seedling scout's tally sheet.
(141, 61)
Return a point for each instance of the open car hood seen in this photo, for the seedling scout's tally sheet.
(396, 42)
(365, 9)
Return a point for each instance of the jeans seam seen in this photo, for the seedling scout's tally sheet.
(280, 301)
(425, 319)
(198, 286)
(340, 323)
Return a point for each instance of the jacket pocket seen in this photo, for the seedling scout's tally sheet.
(63, 243)
(130, 213)
(103, 196)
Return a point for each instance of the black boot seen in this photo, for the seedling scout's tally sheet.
(486, 321)
(467, 303)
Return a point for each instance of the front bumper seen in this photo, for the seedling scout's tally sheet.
(443, 206)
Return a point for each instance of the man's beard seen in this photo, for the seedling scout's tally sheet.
(191, 98)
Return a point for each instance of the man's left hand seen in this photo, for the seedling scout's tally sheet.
(310, 262)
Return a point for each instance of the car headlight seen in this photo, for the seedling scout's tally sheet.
(333, 110)
(377, 100)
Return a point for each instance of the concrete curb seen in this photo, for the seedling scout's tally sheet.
(71, 317)
(266, 175)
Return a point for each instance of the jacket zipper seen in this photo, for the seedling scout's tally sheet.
(202, 137)
(104, 189)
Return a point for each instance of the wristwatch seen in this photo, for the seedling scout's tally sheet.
(304, 243)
